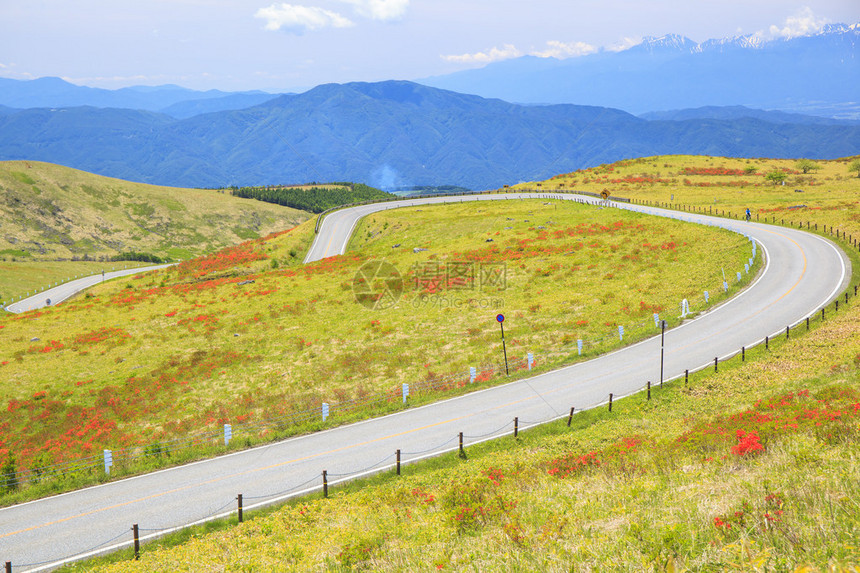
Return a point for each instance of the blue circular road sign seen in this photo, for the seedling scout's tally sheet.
(500, 317)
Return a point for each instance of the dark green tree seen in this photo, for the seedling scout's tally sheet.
(315, 199)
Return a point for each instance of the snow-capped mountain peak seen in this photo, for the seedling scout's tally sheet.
(755, 41)
(669, 41)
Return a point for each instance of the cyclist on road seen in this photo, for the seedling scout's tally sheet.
(748, 214)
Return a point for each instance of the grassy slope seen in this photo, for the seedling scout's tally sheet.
(203, 349)
(52, 212)
(828, 195)
(669, 490)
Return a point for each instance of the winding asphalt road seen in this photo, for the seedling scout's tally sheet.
(67, 290)
(803, 272)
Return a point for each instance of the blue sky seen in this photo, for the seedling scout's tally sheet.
(290, 46)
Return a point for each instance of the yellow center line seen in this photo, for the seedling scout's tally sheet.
(802, 273)
(775, 301)
(330, 239)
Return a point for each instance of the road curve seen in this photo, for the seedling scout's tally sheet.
(67, 290)
(803, 272)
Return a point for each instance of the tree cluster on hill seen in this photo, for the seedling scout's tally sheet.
(315, 199)
(142, 257)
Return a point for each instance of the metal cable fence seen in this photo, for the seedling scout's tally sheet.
(205, 517)
(53, 563)
(293, 489)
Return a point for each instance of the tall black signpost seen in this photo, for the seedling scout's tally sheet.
(501, 319)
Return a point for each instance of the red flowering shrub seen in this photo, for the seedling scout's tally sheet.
(614, 455)
(712, 171)
(747, 443)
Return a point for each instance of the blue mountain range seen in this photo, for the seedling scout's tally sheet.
(817, 74)
(692, 98)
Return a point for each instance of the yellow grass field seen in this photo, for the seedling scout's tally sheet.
(754, 468)
(249, 334)
(51, 212)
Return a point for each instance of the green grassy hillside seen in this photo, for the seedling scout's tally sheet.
(51, 212)
(753, 468)
(828, 193)
(249, 334)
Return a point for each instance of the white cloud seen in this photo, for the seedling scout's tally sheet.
(563, 50)
(10, 71)
(555, 49)
(494, 55)
(380, 9)
(300, 19)
(803, 24)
